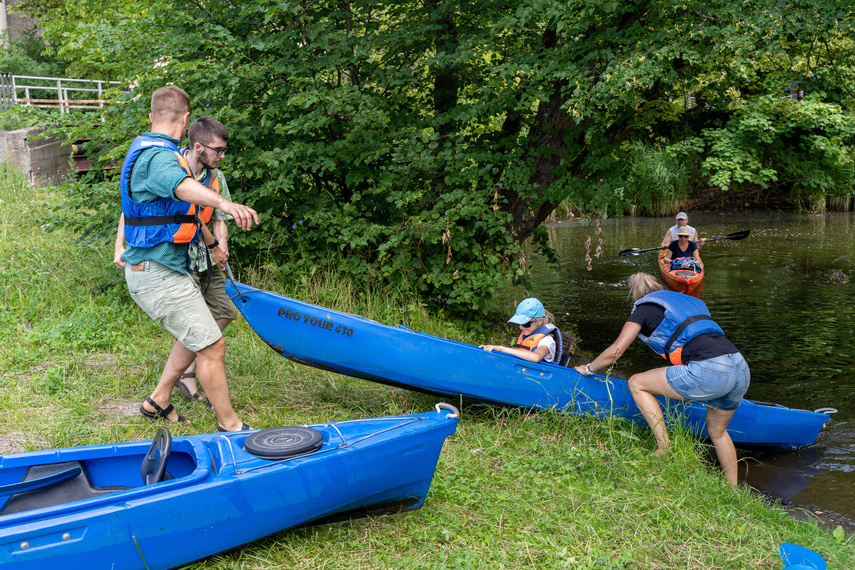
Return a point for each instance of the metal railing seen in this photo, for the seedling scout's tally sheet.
(66, 91)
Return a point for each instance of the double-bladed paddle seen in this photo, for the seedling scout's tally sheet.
(636, 251)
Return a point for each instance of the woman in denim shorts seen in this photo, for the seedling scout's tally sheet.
(706, 366)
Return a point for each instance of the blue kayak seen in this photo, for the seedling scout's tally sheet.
(397, 356)
(163, 503)
(801, 558)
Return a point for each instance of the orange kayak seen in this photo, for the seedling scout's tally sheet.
(681, 280)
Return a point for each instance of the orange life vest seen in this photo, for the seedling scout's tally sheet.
(212, 181)
(531, 341)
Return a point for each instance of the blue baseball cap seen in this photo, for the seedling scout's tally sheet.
(529, 309)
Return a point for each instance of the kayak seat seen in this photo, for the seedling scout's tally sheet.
(51, 484)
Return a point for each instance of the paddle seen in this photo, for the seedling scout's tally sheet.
(636, 251)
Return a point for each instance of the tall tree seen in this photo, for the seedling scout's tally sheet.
(423, 142)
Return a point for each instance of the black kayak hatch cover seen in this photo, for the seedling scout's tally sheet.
(283, 442)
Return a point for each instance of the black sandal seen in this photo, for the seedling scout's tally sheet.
(243, 427)
(161, 413)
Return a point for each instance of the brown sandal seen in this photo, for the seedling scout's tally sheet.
(182, 387)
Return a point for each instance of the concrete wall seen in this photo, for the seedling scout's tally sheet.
(44, 161)
(17, 24)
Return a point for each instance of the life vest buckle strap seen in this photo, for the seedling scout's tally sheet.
(161, 220)
(680, 329)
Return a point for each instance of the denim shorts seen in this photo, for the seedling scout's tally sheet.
(174, 301)
(721, 381)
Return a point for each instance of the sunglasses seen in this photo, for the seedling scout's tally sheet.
(219, 151)
(528, 324)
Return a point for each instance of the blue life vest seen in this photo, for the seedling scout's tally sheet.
(530, 342)
(685, 318)
(163, 220)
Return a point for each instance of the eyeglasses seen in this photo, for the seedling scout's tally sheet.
(219, 151)
(528, 324)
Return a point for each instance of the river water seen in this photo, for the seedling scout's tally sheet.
(776, 296)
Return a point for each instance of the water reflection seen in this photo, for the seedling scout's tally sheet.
(773, 295)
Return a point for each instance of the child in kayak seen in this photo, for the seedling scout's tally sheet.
(539, 339)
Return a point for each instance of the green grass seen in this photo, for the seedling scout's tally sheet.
(513, 489)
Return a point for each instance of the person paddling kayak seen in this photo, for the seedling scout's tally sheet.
(682, 222)
(683, 247)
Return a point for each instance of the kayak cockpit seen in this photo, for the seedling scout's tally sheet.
(88, 477)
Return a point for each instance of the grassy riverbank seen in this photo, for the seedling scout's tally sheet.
(512, 489)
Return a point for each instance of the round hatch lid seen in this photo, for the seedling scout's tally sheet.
(283, 442)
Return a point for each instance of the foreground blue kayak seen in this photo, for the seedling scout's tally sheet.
(362, 348)
(801, 558)
(162, 503)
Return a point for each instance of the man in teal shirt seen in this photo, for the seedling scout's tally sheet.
(207, 141)
(156, 267)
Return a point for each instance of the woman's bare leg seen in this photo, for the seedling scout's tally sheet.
(717, 421)
(644, 387)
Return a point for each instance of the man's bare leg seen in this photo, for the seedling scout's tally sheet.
(188, 378)
(179, 358)
(211, 366)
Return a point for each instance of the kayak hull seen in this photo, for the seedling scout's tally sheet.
(395, 355)
(221, 496)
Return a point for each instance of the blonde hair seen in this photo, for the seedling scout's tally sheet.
(547, 318)
(642, 284)
(168, 104)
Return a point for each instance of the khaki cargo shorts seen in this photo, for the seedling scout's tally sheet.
(174, 301)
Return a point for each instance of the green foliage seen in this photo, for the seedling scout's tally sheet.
(807, 145)
(25, 56)
(657, 178)
(421, 143)
(20, 116)
(64, 22)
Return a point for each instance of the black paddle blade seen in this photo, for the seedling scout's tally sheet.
(734, 236)
(637, 251)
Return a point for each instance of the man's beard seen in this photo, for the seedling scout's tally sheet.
(207, 164)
